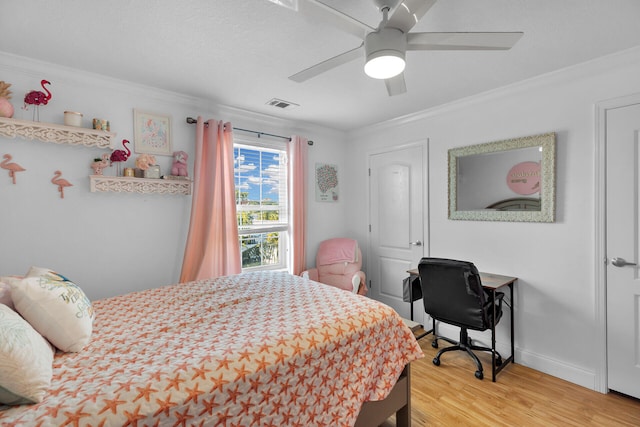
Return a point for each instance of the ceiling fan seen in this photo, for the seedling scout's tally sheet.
(385, 47)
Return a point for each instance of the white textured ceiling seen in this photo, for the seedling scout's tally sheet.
(240, 52)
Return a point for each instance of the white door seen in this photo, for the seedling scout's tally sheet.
(397, 215)
(623, 249)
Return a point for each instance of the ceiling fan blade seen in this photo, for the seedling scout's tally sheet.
(462, 41)
(408, 13)
(317, 11)
(327, 65)
(396, 85)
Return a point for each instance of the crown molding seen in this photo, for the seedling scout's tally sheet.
(11, 63)
(569, 74)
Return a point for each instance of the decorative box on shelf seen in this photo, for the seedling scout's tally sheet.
(153, 172)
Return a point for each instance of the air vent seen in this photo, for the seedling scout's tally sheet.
(279, 103)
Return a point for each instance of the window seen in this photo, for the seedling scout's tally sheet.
(260, 173)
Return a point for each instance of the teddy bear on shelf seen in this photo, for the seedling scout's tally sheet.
(179, 167)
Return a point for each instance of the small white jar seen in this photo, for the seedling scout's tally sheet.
(71, 118)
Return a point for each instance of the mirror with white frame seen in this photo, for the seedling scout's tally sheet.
(510, 180)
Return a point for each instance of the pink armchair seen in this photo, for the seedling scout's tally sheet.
(338, 263)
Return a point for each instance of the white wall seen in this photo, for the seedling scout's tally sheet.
(111, 243)
(554, 304)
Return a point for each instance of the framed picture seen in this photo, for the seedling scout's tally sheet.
(326, 183)
(152, 133)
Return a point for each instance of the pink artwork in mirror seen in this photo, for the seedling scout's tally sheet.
(524, 178)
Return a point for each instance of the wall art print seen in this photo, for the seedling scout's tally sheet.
(326, 183)
(152, 133)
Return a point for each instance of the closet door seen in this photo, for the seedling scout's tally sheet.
(623, 249)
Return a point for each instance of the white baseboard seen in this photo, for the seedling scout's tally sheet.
(539, 362)
(556, 368)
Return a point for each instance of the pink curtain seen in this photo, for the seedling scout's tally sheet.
(297, 153)
(212, 248)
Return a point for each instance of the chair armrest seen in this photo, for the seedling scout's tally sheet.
(359, 283)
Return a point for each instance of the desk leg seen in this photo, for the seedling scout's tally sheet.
(425, 333)
(430, 331)
(493, 338)
(411, 298)
(495, 369)
(513, 352)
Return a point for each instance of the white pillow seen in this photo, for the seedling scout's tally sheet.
(55, 307)
(26, 360)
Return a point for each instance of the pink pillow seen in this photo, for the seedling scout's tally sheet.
(340, 249)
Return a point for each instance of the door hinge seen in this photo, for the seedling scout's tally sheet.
(369, 228)
(369, 171)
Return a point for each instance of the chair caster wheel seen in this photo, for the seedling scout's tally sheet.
(436, 361)
(479, 375)
(499, 361)
(434, 344)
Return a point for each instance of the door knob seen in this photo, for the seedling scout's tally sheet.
(620, 262)
(416, 243)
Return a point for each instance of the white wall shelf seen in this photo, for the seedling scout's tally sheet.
(125, 184)
(59, 134)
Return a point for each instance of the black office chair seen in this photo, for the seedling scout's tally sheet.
(453, 293)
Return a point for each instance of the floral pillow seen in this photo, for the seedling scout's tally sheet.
(26, 360)
(55, 307)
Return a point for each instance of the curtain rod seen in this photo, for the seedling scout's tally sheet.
(193, 121)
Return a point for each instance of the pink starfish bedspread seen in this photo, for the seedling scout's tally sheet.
(256, 349)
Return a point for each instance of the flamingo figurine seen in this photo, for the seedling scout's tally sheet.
(99, 165)
(60, 182)
(37, 98)
(11, 167)
(118, 156)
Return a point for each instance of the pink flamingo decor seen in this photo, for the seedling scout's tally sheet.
(60, 182)
(118, 156)
(37, 98)
(11, 167)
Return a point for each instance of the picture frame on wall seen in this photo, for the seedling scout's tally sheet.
(152, 133)
(326, 183)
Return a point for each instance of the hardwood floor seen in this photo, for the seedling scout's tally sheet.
(450, 395)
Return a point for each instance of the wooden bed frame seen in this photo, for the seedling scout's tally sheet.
(398, 402)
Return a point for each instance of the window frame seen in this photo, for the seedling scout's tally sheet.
(253, 143)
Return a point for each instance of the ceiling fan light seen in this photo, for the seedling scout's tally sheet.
(384, 64)
(385, 51)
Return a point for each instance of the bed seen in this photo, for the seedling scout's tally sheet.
(255, 349)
